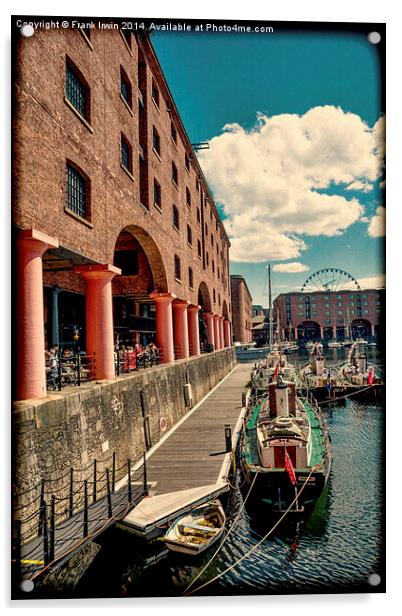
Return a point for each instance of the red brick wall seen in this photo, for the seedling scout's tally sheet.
(241, 310)
(47, 132)
(319, 298)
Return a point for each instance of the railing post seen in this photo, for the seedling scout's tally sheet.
(17, 552)
(129, 495)
(59, 370)
(42, 500)
(109, 495)
(113, 471)
(52, 528)
(94, 484)
(78, 369)
(145, 476)
(85, 525)
(228, 438)
(71, 496)
(45, 536)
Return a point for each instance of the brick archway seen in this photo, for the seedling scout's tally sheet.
(142, 273)
(152, 253)
(225, 311)
(204, 298)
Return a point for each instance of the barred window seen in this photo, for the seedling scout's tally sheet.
(188, 197)
(177, 272)
(77, 191)
(175, 174)
(125, 87)
(189, 235)
(156, 141)
(190, 278)
(173, 132)
(155, 93)
(126, 154)
(157, 194)
(77, 90)
(199, 248)
(176, 218)
(187, 160)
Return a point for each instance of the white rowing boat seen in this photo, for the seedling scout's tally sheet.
(197, 530)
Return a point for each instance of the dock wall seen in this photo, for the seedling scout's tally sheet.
(70, 429)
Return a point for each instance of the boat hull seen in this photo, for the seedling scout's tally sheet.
(273, 488)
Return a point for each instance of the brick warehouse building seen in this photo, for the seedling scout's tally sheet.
(242, 309)
(116, 231)
(330, 315)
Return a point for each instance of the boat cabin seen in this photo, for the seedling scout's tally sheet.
(282, 426)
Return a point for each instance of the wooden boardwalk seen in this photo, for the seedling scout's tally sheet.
(194, 453)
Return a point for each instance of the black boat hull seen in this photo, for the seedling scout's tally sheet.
(273, 488)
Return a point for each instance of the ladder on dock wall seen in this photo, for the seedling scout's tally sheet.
(57, 527)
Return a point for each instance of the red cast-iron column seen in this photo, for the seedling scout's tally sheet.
(221, 333)
(180, 328)
(99, 316)
(209, 320)
(217, 333)
(226, 326)
(30, 331)
(164, 325)
(193, 329)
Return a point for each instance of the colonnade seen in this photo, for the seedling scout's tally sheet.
(177, 324)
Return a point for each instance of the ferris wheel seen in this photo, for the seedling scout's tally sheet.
(330, 279)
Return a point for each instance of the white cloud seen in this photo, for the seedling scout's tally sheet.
(372, 282)
(376, 227)
(290, 268)
(360, 186)
(267, 179)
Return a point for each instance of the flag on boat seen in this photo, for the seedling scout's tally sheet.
(276, 370)
(370, 377)
(289, 469)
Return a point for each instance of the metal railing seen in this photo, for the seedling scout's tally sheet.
(65, 370)
(128, 361)
(60, 513)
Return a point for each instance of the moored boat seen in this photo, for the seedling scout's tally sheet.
(334, 344)
(273, 365)
(357, 370)
(284, 446)
(198, 530)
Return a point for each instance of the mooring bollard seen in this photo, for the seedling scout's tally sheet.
(228, 438)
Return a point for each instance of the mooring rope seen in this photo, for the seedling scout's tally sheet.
(353, 393)
(254, 548)
(225, 538)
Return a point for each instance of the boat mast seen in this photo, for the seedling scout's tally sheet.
(270, 304)
(278, 325)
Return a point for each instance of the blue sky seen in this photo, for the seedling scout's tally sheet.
(227, 79)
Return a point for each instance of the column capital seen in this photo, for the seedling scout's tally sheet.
(181, 303)
(97, 271)
(36, 240)
(162, 297)
(194, 308)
